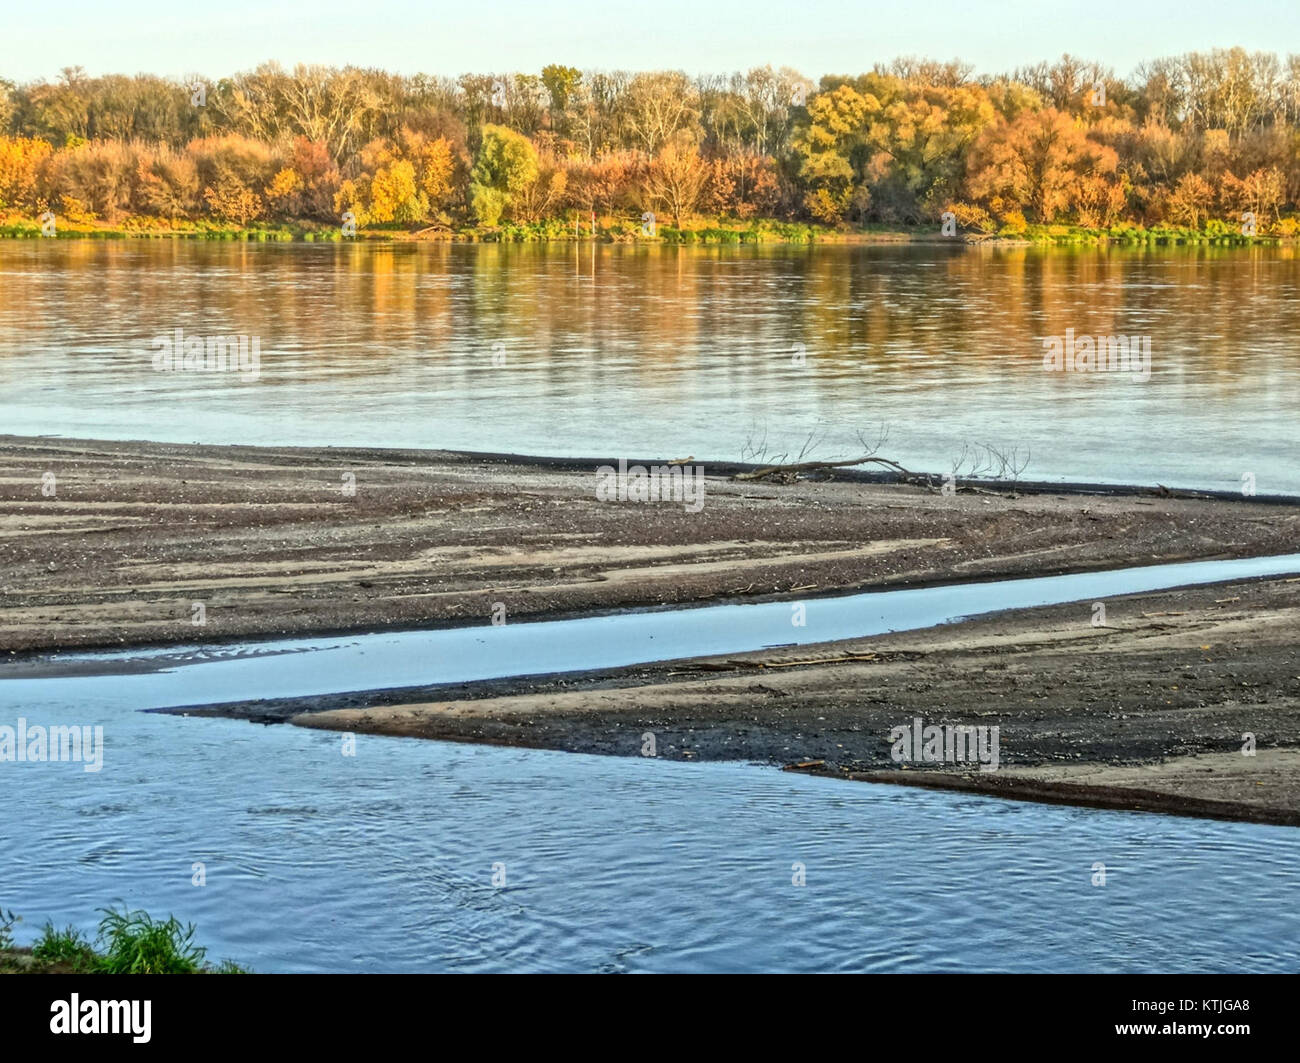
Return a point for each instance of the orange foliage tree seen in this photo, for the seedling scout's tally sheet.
(1039, 163)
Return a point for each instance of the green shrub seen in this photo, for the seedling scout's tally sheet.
(136, 943)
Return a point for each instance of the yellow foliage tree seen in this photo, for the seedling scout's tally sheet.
(402, 180)
(21, 160)
(394, 194)
(284, 190)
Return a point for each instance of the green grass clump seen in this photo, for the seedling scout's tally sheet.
(66, 947)
(136, 943)
(128, 942)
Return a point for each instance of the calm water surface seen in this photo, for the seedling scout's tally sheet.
(661, 351)
(383, 861)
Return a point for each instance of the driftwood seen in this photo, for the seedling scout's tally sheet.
(735, 664)
(819, 660)
(797, 467)
(790, 472)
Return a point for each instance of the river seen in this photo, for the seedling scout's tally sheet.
(725, 353)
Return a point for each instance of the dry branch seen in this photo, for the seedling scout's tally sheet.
(796, 467)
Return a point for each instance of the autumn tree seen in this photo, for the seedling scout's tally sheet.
(341, 108)
(560, 82)
(399, 180)
(403, 179)
(230, 199)
(829, 147)
(898, 144)
(233, 170)
(306, 185)
(1260, 192)
(98, 177)
(1037, 164)
(168, 183)
(894, 148)
(606, 183)
(768, 100)
(921, 138)
(745, 186)
(676, 178)
(21, 162)
(658, 106)
(59, 111)
(1189, 201)
(544, 196)
(435, 166)
(1069, 84)
(595, 116)
(506, 165)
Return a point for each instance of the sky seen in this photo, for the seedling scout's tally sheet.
(217, 37)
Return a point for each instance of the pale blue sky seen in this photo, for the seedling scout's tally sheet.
(215, 37)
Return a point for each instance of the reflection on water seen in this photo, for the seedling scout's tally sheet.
(383, 861)
(663, 351)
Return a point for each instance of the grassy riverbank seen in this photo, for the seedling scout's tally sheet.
(714, 231)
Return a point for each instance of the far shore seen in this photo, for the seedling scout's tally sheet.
(718, 232)
(1144, 711)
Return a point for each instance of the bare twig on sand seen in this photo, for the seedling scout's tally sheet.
(983, 459)
(736, 664)
(794, 468)
(789, 471)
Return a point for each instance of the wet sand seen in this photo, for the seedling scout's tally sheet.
(1133, 713)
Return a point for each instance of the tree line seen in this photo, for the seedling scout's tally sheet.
(1197, 141)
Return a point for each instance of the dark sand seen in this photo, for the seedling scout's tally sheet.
(1147, 712)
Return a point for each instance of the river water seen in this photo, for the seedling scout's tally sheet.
(721, 353)
(406, 855)
(313, 860)
(383, 861)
